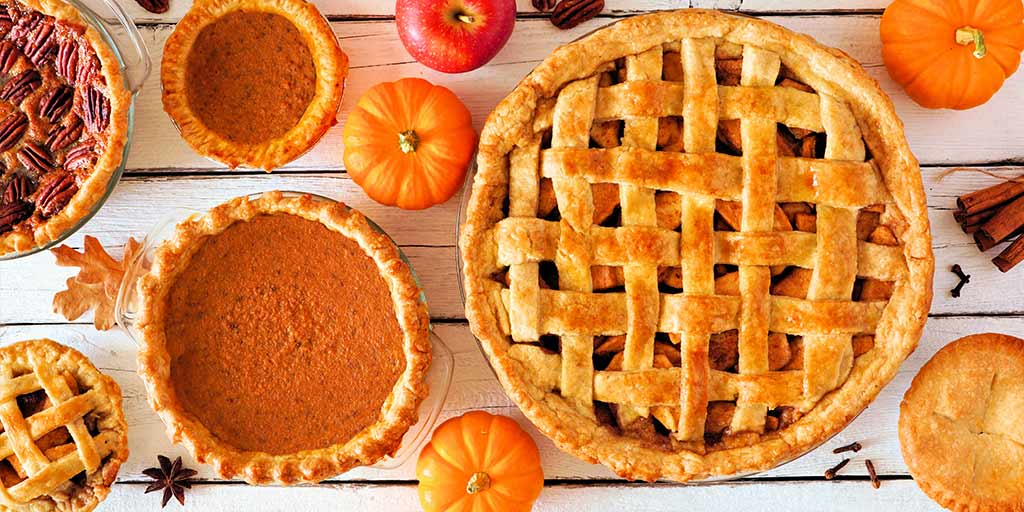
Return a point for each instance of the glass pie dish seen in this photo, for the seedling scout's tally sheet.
(119, 33)
(438, 377)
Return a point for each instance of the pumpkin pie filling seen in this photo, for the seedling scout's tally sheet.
(283, 336)
(250, 76)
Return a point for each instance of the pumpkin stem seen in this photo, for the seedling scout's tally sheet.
(479, 482)
(408, 141)
(967, 35)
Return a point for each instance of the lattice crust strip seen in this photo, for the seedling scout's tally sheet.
(47, 470)
(839, 185)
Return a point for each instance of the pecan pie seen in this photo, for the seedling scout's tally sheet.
(697, 245)
(65, 434)
(308, 363)
(962, 425)
(253, 82)
(63, 120)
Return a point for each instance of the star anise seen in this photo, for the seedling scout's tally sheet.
(172, 478)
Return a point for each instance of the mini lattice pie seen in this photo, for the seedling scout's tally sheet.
(64, 436)
(697, 245)
(63, 121)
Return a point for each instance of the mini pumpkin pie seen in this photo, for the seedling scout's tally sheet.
(63, 121)
(253, 82)
(284, 339)
(64, 436)
(962, 425)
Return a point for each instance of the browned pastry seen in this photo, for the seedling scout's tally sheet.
(63, 120)
(64, 436)
(763, 271)
(962, 425)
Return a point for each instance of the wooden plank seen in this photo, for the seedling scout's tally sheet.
(428, 236)
(343, 9)
(841, 496)
(377, 55)
(475, 387)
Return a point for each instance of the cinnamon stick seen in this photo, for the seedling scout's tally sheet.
(974, 218)
(1001, 226)
(973, 222)
(990, 197)
(1011, 256)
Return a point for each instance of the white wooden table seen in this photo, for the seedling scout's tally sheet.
(164, 173)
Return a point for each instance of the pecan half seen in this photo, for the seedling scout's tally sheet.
(17, 88)
(8, 56)
(5, 20)
(55, 194)
(96, 110)
(67, 61)
(25, 26)
(11, 130)
(40, 44)
(80, 156)
(18, 189)
(13, 213)
(34, 157)
(544, 5)
(61, 136)
(154, 6)
(569, 13)
(56, 103)
(88, 66)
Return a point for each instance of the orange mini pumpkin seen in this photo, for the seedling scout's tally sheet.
(479, 462)
(952, 53)
(408, 143)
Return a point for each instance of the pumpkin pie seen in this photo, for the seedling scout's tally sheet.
(253, 82)
(65, 435)
(284, 339)
(63, 121)
(697, 245)
(961, 425)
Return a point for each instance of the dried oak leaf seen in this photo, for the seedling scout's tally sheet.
(96, 285)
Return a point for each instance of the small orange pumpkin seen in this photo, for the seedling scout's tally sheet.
(952, 53)
(479, 462)
(408, 143)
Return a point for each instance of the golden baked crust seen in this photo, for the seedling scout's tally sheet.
(110, 140)
(540, 131)
(375, 441)
(962, 425)
(96, 441)
(330, 62)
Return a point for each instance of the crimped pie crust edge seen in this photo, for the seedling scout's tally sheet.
(331, 65)
(372, 443)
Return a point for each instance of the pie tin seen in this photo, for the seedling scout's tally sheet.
(438, 377)
(118, 31)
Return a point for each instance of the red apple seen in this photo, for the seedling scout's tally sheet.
(454, 36)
